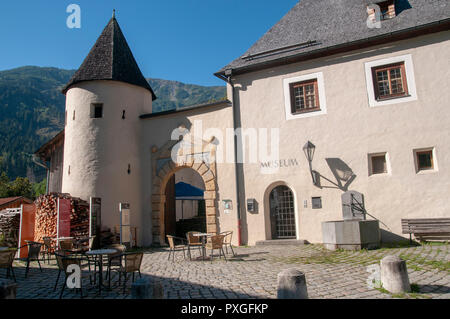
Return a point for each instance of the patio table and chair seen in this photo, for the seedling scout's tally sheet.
(130, 263)
(64, 260)
(98, 255)
(209, 241)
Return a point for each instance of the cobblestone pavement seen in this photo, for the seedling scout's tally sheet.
(252, 273)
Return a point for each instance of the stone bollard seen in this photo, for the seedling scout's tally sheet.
(144, 288)
(8, 289)
(292, 285)
(394, 275)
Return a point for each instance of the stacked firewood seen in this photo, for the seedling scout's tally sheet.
(47, 216)
(9, 227)
(79, 218)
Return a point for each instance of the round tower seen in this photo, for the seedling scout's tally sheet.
(104, 147)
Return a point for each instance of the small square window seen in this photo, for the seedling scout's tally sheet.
(424, 160)
(304, 97)
(97, 110)
(316, 202)
(377, 164)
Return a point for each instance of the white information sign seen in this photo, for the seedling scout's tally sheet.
(125, 227)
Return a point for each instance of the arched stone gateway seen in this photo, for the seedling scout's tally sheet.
(201, 158)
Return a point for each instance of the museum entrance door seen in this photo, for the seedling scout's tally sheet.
(282, 213)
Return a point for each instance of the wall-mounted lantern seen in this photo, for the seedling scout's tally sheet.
(309, 150)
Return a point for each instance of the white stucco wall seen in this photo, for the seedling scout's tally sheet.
(98, 151)
(349, 131)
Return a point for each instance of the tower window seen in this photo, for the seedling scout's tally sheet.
(97, 110)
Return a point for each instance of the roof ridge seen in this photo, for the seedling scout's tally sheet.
(113, 19)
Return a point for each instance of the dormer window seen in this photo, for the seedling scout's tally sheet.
(387, 9)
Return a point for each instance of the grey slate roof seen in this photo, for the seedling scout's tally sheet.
(110, 59)
(320, 24)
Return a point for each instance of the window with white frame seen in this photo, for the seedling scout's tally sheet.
(304, 96)
(390, 81)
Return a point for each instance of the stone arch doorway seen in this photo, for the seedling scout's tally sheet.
(281, 212)
(184, 208)
(163, 170)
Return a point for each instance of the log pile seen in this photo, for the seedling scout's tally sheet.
(47, 211)
(79, 218)
(9, 227)
(46, 216)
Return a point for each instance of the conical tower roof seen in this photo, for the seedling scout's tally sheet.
(110, 59)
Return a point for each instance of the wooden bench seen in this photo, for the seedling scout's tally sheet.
(427, 228)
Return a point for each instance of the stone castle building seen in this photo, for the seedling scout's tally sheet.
(371, 94)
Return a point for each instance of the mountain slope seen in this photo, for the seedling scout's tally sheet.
(173, 94)
(32, 111)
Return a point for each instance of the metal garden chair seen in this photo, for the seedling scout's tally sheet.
(48, 248)
(129, 263)
(194, 242)
(64, 261)
(173, 247)
(6, 262)
(227, 241)
(216, 242)
(34, 251)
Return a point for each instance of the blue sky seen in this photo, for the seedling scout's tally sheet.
(183, 40)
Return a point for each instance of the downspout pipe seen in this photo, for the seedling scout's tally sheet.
(227, 78)
(37, 162)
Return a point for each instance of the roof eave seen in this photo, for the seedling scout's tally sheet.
(68, 86)
(226, 103)
(437, 26)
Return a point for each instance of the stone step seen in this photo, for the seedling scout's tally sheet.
(276, 242)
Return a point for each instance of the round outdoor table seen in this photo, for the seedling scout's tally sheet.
(100, 253)
(203, 238)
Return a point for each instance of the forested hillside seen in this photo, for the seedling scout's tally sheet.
(32, 112)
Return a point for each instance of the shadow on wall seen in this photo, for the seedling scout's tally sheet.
(344, 177)
(342, 173)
